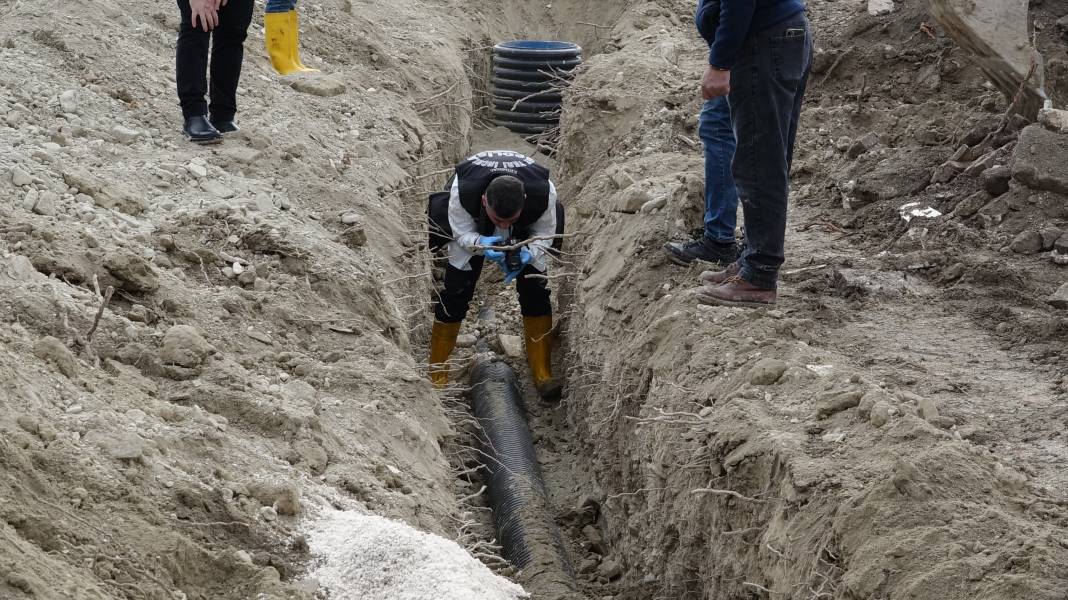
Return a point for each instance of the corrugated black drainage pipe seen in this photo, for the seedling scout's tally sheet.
(528, 78)
(517, 492)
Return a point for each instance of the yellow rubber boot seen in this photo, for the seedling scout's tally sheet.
(442, 341)
(539, 338)
(279, 33)
(294, 44)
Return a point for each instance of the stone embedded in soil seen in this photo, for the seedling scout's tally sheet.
(135, 273)
(1027, 242)
(51, 349)
(595, 538)
(633, 199)
(68, 101)
(1050, 235)
(248, 277)
(767, 371)
(353, 236)
(316, 84)
(878, 8)
(880, 414)
(510, 345)
(46, 204)
(217, 189)
(283, 496)
(862, 145)
(123, 446)
(610, 569)
(588, 566)
(995, 180)
(928, 409)
(1038, 161)
(108, 195)
(197, 169)
(1059, 299)
(466, 341)
(869, 400)
(184, 346)
(837, 402)
(1061, 244)
(20, 177)
(125, 135)
(28, 424)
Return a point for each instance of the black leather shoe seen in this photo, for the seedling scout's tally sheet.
(227, 126)
(200, 131)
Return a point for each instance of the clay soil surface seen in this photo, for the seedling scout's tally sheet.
(892, 429)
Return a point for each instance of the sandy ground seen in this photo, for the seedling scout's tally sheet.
(892, 430)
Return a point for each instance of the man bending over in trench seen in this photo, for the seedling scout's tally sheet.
(497, 199)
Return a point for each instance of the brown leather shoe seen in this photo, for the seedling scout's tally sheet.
(736, 291)
(718, 277)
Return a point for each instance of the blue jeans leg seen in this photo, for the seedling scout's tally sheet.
(767, 87)
(277, 6)
(721, 196)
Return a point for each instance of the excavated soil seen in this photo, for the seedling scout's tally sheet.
(893, 429)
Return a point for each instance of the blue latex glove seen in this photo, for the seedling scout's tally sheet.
(524, 255)
(495, 255)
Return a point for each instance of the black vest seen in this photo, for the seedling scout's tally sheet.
(476, 173)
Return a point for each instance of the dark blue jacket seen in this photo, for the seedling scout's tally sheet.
(726, 23)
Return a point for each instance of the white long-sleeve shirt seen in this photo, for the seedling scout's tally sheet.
(465, 232)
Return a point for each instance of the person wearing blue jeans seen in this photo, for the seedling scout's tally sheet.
(760, 58)
(716, 244)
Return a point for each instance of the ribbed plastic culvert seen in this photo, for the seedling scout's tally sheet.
(529, 77)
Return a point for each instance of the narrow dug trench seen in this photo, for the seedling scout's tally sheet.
(865, 439)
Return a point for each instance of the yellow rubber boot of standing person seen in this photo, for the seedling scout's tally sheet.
(539, 338)
(442, 341)
(294, 44)
(279, 35)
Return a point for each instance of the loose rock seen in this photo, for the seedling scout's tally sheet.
(53, 350)
(836, 403)
(125, 135)
(767, 371)
(880, 414)
(46, 204)
(316, 84)
(862, 145)
(1050, 235)
(20, 177)
(1038, 161)
(995, 180)
(1027, 242)
(610, 570)
(68, 101)
(124, 446)
(1061, 244)
(928, 410)
(184, 346)
(135, 273)
(1059, 299)
(510, 345)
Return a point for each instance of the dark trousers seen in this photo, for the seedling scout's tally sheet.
(227, 43)
(452, 304)
(767, 87)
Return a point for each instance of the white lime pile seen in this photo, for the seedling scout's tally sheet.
(364, 557)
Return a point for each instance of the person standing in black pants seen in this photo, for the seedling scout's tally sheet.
(221, 25)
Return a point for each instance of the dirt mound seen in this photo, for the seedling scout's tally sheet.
(873, 436)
